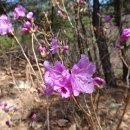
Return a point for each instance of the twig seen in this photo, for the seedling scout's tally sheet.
(124, 61)
(23, 52)
(95, 113)
(13, 78)
(120, 121)
(127, 94)
(37, 40)
(86, 105)
(36, 57)
(88, 117)
(65, 11)
(48, 116)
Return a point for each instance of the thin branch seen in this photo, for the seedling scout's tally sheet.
(88, 117)
(23, 52)
(95, 114)
(36, 57)
(120, 121)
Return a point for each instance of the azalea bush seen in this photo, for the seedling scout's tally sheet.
(67, 81)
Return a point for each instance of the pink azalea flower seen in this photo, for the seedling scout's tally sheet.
(80, 1)
(125, 34)
(57, 78)
(81, 76)
(45, 13)
(5, 25)
(118, 46)
(71, 4)
(25, 30)
(27, 27)
(99, 81)
(30, 15)
(59, 12)
(19, 11)
(54, 46)
(107, 18)
(65, 48)
(34, 116)
(43, 51)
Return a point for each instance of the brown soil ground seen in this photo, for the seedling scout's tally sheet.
(19, 88)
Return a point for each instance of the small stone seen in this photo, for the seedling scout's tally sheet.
(62, 122)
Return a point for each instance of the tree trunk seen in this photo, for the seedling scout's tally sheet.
(102, 46)
(118, 9)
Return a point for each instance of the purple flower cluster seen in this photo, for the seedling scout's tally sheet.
(55, 46)
(80, 1)
(19, 11)
(107, 18)
(30, 16)
(7, 109)
(59, 79)
(125, 34)
(43, 51)
(45, 13)
(5, 24)
(59, 12)
(27, 26)
(123, 37)
(34, 116)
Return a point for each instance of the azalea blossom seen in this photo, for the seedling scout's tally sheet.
(80, 1)
(57, 79)
(71, 4)
(123, 37)
(81, 76)
(65, 48)
(19, 11)
(125, 34)
(43, 51)
(34, 116)
(28, 27)
(54, 46)
(99, 81)
(45, 13)
(107, 18)
(30, 15)
(82, 79)
(59, 12)
(5, 24)
(118, 46)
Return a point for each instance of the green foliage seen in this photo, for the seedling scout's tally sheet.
(6, 42)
